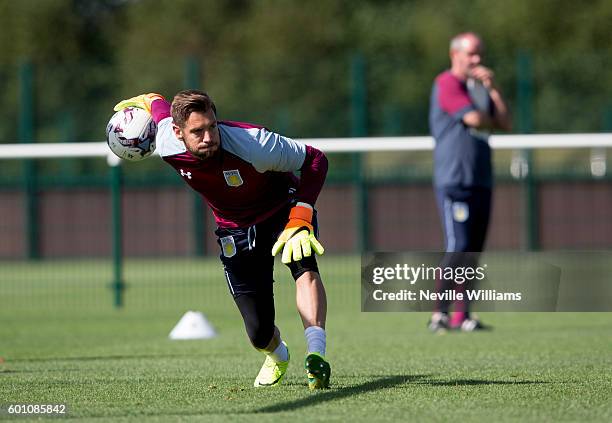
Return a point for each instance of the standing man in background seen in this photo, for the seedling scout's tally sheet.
(465, 105)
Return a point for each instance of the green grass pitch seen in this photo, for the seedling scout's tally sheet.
(61, 341)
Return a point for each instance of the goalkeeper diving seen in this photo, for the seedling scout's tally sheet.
(261, 208)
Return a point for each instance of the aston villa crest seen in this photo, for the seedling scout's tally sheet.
(228, 246)
(233, 178)
(461, 212)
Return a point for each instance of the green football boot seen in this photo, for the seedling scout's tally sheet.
(271, 372)
(318, 371)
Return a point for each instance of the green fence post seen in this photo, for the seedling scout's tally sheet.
(525, 125)
(116, 181)
(67, 131)
(392, 119)
(198, 217)
(599, 159)
(282, 121)
(359, 125)
(26, 135)
(607, 119)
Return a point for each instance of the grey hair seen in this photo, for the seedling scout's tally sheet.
(456, 43)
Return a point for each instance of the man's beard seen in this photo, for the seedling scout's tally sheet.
(202, 155)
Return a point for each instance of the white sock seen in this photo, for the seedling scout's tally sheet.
(281, 353)
(315, 339)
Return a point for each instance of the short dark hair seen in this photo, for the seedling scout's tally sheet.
(189, 101)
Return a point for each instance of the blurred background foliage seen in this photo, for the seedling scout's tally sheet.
(300, 68)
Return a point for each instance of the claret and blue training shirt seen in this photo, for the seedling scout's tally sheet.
(462, 156)
(251, 177)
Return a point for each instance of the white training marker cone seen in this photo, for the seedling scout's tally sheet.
(193, 325)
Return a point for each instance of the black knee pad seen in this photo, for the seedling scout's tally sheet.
(258, 314)
(261, 336)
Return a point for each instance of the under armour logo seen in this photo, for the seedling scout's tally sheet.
(187, 174)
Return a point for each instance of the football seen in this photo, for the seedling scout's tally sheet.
(130, 134)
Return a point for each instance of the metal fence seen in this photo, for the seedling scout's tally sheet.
(75, 210)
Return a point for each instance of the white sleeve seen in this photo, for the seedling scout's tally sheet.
(167, 144)
(264, 149)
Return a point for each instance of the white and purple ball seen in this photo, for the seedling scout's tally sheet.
(130, 134)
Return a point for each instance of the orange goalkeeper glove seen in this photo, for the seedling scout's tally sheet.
(142, 101)
(297, 239)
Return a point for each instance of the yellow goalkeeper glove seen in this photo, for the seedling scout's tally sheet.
(297, 239)
(142, 101)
